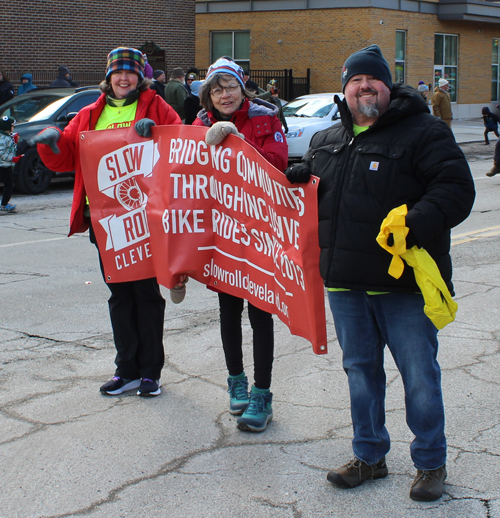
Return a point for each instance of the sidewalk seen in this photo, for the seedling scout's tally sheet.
(66, 451)
(469, 130)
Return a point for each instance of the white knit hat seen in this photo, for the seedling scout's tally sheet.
(442, 82)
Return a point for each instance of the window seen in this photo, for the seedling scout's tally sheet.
(236, 45)
(495, 62)
(446, 61)
(399, 74)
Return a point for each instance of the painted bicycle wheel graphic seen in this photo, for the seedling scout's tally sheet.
(129, 194)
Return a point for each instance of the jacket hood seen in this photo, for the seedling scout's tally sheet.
(29, 77)
(405, 101)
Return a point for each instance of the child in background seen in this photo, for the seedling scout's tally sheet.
(8, 157)
(490, 123)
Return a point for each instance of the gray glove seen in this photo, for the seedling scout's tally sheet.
(143, 127)
(48, 136)
(219, 131)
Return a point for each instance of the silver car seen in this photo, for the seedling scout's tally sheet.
(305, 116)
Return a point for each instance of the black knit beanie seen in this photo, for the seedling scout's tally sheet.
(367, 61)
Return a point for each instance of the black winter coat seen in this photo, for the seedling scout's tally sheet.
(407, 157)
(191, 108)
(6, 91)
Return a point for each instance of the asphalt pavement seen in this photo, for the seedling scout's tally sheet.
(67, 451)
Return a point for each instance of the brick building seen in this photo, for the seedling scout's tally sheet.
(40, 35)
(422, 40)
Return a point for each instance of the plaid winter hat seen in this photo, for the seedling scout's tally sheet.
(6, 123)
(369, 61)
(123, 58)
(225, 66)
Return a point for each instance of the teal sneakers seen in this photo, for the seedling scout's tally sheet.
(258, 413)
(238, 393)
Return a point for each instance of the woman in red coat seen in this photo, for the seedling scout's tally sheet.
(230, 108)
(136, 308)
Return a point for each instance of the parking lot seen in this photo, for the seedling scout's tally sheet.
(67, 451)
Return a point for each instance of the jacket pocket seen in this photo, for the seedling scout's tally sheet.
(330, 149)
(385, 150)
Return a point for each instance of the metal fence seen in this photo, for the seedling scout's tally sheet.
(290, 86)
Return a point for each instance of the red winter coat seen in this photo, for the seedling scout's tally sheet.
(149, 105)
(257, 120)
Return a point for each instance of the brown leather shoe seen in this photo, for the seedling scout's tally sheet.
(355, 472)
(428, 485)
(493, 171)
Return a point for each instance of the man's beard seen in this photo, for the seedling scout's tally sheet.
(369, 110)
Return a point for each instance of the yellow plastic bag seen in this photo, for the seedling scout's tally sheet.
(439, 305)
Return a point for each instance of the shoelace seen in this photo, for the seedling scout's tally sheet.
(256, 405)
(239, 389)
(426, 475)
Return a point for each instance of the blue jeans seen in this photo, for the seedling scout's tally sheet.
(365, 324)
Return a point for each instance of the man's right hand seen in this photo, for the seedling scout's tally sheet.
(48, 136)
(298, 173)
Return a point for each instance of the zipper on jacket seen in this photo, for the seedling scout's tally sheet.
(336, 204)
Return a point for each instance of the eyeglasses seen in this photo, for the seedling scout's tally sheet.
(230, 89)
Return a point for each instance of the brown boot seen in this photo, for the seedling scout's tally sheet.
(494, 170)
(428, 485)
(355, 472)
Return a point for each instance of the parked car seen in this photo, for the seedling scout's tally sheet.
(34, 111)
(305, 116)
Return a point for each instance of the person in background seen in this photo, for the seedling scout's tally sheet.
(230, 108)
(195, 71)
(63, 79)
(158, 84)
(496, 161)
(26, 84)
(136, 308)
(192, 103)
(249, 84)
(6, 88)
(387, 151)
(148, 69)
(441, 102)
(271, 95)
(424, 91)
(189, 79)
(175, 92)
(490, 123)
(8, 158)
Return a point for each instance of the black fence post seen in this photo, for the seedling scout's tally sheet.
(290, 85)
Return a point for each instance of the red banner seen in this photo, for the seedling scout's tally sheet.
(173, 205)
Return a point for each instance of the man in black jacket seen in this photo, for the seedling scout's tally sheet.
(387, 152)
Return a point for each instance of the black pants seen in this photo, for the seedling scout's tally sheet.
(137, 311)
(486, 131)
(7, 177)
(231, 309)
